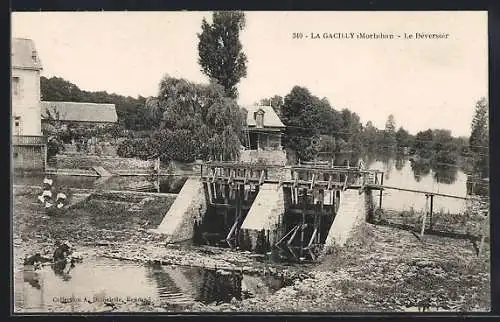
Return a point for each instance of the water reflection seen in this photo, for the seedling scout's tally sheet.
(399, 171)
(38, 290)
(420, 169)
(446, 174)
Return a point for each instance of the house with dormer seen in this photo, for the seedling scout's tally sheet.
(263, 135)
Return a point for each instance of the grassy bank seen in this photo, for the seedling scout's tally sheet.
(96, 219)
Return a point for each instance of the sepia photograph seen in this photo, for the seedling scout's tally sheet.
(250, 161)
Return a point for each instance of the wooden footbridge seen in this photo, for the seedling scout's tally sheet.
(310, 195)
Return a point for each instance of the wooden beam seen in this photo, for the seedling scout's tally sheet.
(484, 227)
(425, 217)
(421, 191)
(297, 211)
(287, 234)
(293, 235)
(380, 195)
(430, 211)
(246, 177)
(312, 180)
(312, 238)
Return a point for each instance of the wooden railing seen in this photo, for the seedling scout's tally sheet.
(28, 140)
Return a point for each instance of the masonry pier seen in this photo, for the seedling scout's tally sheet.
(189, 206)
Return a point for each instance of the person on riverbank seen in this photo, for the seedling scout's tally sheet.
(61, 198)
(35, 261)
(63, 255)
(46, 196)
(63, 250)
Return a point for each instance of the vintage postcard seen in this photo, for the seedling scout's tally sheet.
(250, 161)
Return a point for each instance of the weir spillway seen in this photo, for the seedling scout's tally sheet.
(297, 209)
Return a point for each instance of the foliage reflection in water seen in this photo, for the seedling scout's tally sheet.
(97, 277)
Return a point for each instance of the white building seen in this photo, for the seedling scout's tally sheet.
(28, 145)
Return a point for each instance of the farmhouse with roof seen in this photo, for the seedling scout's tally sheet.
(77, 114)
(28, 145)
(263, 133)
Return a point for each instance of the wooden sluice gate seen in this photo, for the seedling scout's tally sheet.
(310, 197)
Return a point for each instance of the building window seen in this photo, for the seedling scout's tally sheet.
(15, 155)
(16, 86)
(17, 125)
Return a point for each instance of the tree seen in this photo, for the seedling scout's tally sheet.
(130, 111)
(54, 132)
(423, 143)
(192, 121)
(220, 50)
(351, 132)
(390, 132)
(307, 116)
(479, 138)
(276, 102)
(479, 134)
(445, 151)
(370, 136)
(299, 132)
(403, 138)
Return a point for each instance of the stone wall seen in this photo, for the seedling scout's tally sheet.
(30, 158)
(277, 157)
(82, 161)
(104, 149)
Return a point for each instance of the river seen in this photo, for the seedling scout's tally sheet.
(100, 279)
(401, 172)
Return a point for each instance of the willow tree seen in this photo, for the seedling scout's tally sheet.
(195, 121)
(220, 51)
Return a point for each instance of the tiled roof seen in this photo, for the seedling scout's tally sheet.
(22, 53)
(271, 119)
(81, 112)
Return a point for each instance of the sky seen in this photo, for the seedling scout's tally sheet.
(424, 83)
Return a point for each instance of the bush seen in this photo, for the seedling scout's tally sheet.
(54, 146)
(135, 148)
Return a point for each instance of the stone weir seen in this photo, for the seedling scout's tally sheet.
(291, 208)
